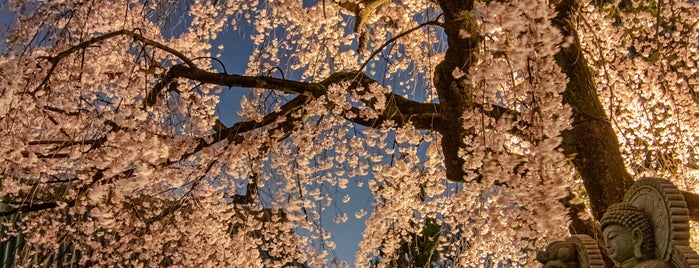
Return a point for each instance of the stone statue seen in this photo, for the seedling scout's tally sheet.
(649, 229)
(576, 251)
(628, 237)
(558, 254)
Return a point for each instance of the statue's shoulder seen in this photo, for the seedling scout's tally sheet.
(653, 264)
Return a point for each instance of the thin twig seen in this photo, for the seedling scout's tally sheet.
(137, 36)
(373, 54)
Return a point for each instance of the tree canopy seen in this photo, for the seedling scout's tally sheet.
(483, 129)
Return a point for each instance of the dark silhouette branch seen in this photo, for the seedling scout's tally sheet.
(28, 208)
(250, 191)
(54, 60)
(395, 38)
(403, 108)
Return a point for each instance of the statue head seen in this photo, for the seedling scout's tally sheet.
(558, 254)
(628, 234)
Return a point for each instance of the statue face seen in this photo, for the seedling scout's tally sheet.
(619, 242)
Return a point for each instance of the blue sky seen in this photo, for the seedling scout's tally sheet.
(6, 18)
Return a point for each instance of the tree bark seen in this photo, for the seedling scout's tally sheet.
(455, 96)
(591, 141)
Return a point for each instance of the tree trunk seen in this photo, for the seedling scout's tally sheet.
(591, 140)
(455, 96)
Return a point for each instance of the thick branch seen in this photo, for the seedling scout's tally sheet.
(68, 143)
(285, 110)
(434, 121)
(592, 139)
(310, 89)
(234, 134)
(424, 115)
(400, 108)
(232, 80)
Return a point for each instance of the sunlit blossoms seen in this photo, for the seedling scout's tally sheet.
(451, 114)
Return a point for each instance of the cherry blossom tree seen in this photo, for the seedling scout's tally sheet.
(483, 129)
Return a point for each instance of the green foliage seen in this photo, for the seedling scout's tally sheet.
(422, 250)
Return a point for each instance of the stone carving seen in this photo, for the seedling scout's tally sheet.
(665, 206)
(650, 228)
(628, 237)
(576, 251)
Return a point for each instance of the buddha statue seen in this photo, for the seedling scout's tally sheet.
(628, 236)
